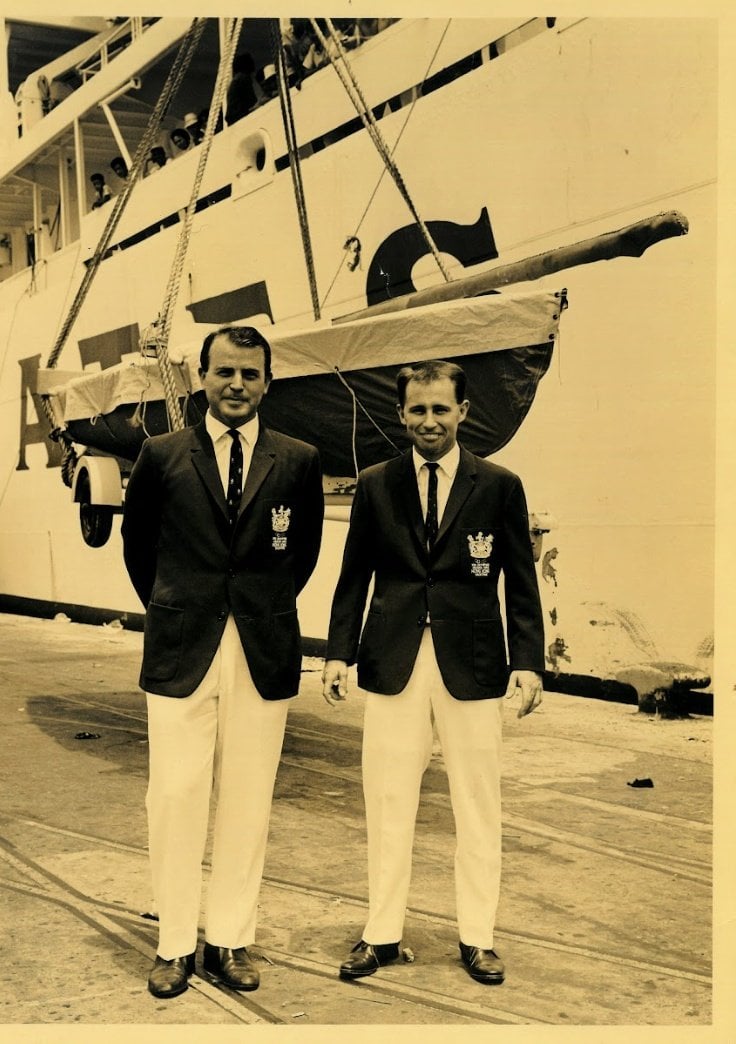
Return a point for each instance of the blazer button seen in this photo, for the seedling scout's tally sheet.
(231, 574)
(421, 620)
(221, 615)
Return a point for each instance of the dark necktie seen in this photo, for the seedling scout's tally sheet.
(431, 523)
(235, 477)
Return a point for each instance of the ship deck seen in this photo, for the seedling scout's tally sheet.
(605, 915)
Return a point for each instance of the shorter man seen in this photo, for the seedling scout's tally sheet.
(434, 529)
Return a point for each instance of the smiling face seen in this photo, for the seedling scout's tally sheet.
(431, 415)
(234, 381)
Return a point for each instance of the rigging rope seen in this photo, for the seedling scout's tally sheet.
(161, 339)
(355, 94)
(357, 227)
(287, 116)
(357, 403)
(173, 81)
(175, 77)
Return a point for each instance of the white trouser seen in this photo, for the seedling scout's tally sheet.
(397, 745)
(225, 733)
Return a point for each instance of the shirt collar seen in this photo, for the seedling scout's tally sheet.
(216, 429)
(448, 464)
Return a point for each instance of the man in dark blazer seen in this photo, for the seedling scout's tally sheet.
(221, 531)
(434, 529)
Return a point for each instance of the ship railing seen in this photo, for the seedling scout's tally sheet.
(128, 31)
(87, 59)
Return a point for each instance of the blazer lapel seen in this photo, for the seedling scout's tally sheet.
(203, 459)
(407, 494)
(460, 490)
(264, 455)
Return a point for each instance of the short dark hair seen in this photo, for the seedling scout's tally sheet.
(241, 337)
(431, 370)
(96, 177)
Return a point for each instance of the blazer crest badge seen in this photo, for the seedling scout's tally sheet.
(480, 551)
(280, 519)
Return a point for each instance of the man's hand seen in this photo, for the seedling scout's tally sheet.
(529, 685)
(335, 681)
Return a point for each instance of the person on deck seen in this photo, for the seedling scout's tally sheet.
(157, 159)
(119, 167)
(241, 94)
(102, 192)
(180, 140)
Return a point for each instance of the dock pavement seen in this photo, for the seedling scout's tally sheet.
(605, 913)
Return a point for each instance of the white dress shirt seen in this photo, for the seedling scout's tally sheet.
(222, 442)
(445, 477)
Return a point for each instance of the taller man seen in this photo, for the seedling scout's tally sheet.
(221, 532)
(434, 528)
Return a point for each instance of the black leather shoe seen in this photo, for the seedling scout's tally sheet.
(169, 978)
(232, 968)
(483, 965)
(367, 959)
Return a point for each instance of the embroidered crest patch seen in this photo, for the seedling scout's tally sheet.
(480, 551)
(280, 519)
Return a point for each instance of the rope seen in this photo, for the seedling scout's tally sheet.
(175, 77)
(287, 116)
(381, 176)
(173, 81)
(357, 403)
(161, 339)
(355, 94)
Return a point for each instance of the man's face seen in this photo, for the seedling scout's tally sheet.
(431, 415)
(235, 382)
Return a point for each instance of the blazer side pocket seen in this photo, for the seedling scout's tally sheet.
(162, 645)
(373, 642)
(489, 652)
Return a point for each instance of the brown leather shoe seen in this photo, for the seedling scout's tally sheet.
(367, 959)
(232, 968)
(169, 978)
(483, 965)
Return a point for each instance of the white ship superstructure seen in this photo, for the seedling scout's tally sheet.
(514, 138)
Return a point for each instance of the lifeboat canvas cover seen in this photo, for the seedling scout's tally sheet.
(334, 383)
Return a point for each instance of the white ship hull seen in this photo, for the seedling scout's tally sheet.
(582, 128)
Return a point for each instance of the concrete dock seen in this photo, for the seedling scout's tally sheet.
(605, 915)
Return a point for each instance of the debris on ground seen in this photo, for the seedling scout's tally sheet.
(646, 782)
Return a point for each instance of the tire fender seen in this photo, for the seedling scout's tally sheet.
(101, 476)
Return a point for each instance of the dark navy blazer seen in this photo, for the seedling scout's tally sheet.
(483, 532)
(191, 569)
